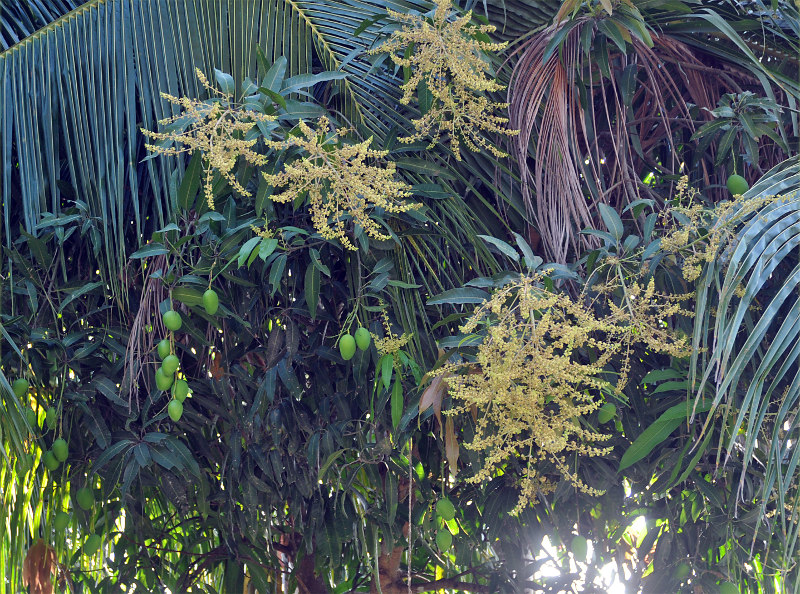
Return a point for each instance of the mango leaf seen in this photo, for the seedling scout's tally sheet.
(163, 458)
(142, 454)
(247, 248)
(96, 424)
(329, 462)
(659, 431)
(457, 296)
(383, 265)
(188, 295)
(190, 183)
(672, 386)
(109, 389)
(386, 366)
(276, 272)
(612, 221)
(225, 82)
(501, 245)
(183, 457)
(110, 453)
(276, 97)
(273, 80)
(659, 375)
(312, 282)
(267, 247)
(297, 110)
(397, 403)
(211, 215)
(315, 258)
(304, 81)
(79, 292)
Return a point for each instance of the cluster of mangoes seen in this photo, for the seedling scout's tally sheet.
(52, 459)
(165, 374)
(349, 342)
(445, 511)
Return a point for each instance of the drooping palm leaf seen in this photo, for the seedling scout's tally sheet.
(517, 18)
(560, 100)
(748, 347)
(75, 94)
(22, 18)
(605, 100)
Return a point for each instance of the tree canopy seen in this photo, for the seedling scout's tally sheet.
(367, 296)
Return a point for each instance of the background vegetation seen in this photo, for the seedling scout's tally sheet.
(292, 469)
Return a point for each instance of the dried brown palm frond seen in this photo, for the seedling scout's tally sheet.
(141, 342)
(599, 119)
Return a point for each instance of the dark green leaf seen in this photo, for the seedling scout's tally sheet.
(386, 366)
(78, 293)
(456, 296)
(151, 249)
(612, 221)
(247, 249)
(504, 248)
(276, 272)
(273, 80)
(225, 82)
(659, 431)
(304, 81)
(397, 403)
(312, 283)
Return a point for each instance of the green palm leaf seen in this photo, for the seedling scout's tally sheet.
(517, 18)
(24, 17)
(749, 353)
(75, 94)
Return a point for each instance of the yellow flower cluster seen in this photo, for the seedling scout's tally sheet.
(340, 182)
(216, 130)
(687, 222)
(641, 318)
(391, 343)
(531, 387)
(265, 233)
(449, 58)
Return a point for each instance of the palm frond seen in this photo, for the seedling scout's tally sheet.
(593, 124)
(20, 19)
(606, 101)
(518, 18)
(75, 94)
(748, 348)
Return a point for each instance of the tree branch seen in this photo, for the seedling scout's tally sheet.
(451, 583)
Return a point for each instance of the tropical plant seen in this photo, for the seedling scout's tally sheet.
(614, 96)
(187, 323)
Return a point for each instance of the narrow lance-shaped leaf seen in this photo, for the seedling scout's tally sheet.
(659, 431)
(312, 284)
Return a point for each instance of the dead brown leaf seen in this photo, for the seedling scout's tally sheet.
(38, 568)
(432, 396)
(451, 446)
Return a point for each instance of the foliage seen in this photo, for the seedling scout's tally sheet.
(293, 469)
(616, 100)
